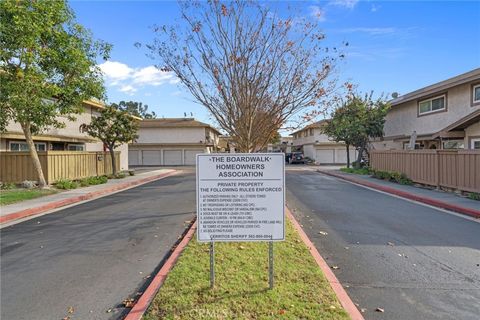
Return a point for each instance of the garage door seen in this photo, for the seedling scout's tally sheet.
(151, 157)
(133, 158)
(190, 156)
(341, 156)
(172, 157)
(324, 156)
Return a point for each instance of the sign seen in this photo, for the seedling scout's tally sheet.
(241, 197)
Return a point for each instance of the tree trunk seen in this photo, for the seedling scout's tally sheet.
(114, 165)
(34, 155)
(348, 156)
(358, 164)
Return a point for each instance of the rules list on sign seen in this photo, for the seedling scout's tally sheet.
(241, 197)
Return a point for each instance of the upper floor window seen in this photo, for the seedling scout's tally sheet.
(476, 93)
(432, 105)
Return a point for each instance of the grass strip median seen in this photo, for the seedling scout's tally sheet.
(17, 195)
(241, 289)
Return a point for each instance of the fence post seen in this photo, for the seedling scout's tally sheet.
(437, 182)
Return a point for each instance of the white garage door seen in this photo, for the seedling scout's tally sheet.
(151, 158)
(133, 158)
(172, 157)
(190, 156)
(324, 156)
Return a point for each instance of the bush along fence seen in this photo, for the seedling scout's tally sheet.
(453, 169)
(57, 165)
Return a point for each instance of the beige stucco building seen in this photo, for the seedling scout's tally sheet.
(172, 141)
(69, 138)
(445, 115)
(319, 146)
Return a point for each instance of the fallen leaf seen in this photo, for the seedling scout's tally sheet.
(109, 310)
(335, 267)
(347, 248)
(129, 303)
(380, 310)
(362, 310)
(241, 247)
(282, 311)
(323, 233)
(187, 221)
(390, 243)
(70, 310)
(333, 307)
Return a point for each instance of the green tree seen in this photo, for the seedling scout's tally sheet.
(356, 121)
(114, 128)
(135, 108)
(48, 67)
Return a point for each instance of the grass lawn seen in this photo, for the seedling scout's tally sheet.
(17, 195)
(300, 291)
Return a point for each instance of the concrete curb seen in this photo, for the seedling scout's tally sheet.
(95, 194)
(143, 303)
(340, 292)
(430, 201)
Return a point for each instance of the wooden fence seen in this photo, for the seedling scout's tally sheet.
(456, 169)
(17, 166)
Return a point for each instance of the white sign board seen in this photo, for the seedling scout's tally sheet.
(241, 197)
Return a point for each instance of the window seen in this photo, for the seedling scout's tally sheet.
(75, 147)
(311, 132)
(23, 146)
(453, 144)
(476, 93)
(432, 105)
(475, 143)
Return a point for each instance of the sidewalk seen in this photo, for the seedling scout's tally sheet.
(40, 205)
(437, 198)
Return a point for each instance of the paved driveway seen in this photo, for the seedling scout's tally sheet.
(94, 255)
(413, 261)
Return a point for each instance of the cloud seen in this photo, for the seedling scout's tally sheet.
(115, 70)
(371, 31)
(374, 8)
(317, 13)
(349, 4)
(129, 80)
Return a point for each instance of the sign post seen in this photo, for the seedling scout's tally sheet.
(241, 197)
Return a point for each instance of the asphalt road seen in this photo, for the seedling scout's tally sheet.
(413, 261)
(92, 256)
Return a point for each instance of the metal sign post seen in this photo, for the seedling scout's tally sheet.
(212, 265)
(241, 197)
(270, 265)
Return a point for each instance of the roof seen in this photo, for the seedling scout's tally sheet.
(317, 124)
(470, 76)
(175, 123)
(100, 105)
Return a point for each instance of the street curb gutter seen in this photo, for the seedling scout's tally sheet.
(95, 194)
(340, 292)
(143, 303)
(433, 202)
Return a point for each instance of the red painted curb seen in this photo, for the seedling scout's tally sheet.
(433, 202)
(340, 292)
(57, 204)
(143, 303)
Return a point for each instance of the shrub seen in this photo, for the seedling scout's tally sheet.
(397, 177)
(131, 172)
(66, 184)
(120, 175)
(91, 181)
(474, 196)
(7, 185)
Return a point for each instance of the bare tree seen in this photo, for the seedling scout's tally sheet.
(250, 68)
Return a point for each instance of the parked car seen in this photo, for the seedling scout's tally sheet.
(297, 157)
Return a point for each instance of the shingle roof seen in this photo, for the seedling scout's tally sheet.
(317, 124)
(472, 75)
(174, 123)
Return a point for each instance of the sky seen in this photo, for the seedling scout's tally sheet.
(394, 46)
